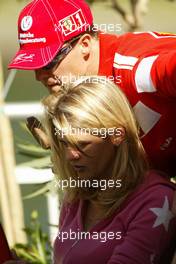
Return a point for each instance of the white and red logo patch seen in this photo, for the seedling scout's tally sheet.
(72, 22)
(26, 23)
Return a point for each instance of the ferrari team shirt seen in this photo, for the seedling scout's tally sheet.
(143, 65)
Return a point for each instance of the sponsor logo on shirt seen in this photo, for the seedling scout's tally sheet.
(166, 143)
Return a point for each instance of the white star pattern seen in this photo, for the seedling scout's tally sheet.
(164, 215)
(152, 258)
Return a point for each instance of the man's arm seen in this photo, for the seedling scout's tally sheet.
(163, 74)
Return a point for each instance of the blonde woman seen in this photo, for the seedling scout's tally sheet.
(114, 209)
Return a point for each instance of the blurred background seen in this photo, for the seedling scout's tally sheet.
(156, 15)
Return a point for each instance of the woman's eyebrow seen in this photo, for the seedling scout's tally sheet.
(60, 139)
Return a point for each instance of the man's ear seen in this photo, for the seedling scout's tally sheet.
(118, 136)
(85, 44)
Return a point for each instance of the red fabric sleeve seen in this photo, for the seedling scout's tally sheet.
(163, 74)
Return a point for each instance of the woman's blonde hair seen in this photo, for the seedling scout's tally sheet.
(95, 102)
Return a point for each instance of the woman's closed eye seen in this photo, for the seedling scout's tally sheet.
(80, 144)
(83, 144)
(63, 142)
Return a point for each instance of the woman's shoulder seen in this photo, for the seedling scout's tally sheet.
(159, 181)
(153, 201)
(156, 190)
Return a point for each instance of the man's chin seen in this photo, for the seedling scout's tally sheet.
(53, 89)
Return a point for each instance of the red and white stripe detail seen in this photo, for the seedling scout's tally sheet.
(124, 62)
(143, 75)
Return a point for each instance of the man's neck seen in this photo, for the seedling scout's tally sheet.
(93, 67)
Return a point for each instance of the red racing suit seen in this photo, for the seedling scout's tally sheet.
(143, 65)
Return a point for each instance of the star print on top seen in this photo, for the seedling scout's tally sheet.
(164, 215)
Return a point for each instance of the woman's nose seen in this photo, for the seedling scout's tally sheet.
(72, 154)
